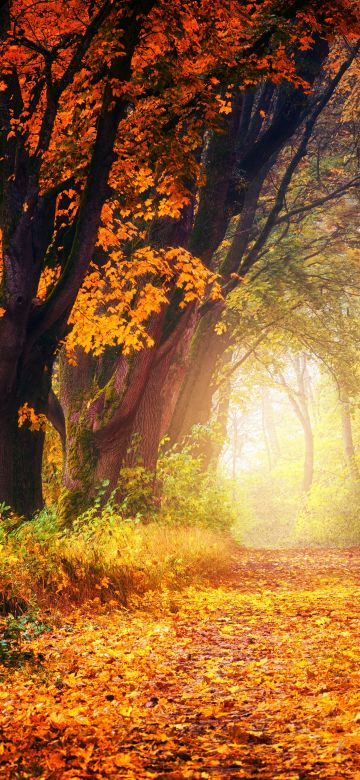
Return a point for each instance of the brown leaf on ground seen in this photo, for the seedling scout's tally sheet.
(257, 677)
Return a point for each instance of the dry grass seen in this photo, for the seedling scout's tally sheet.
(109, 565)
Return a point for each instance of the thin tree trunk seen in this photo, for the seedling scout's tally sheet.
(270, 428)
(220, 416)
(303, 394)
(266, 439)
(308, 457)
(347, 434)
(299, 402)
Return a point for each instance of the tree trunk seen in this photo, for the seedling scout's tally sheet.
(125, 421)
(235, 452)
(8, 430)
(269, 427)
(220, 415)
(299, 400)
(21, 449)
(122, 422)
(195, 399)
(303, 395)
(347, 435)
(160, 395)
(308, 457)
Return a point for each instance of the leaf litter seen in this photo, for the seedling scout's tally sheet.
(254, 676)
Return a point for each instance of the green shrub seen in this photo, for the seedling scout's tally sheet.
(192, 496)
(152, 535)
(331, 514)
(135, 491)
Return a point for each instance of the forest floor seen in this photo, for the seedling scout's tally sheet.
(256, 676)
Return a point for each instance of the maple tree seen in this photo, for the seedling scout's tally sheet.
(49, 57)
(158, 389)
(102, 102)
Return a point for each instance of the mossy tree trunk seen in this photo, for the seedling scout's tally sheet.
(122, 421)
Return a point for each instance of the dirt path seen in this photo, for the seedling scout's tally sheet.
(257, 678)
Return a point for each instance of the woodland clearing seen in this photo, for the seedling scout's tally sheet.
(254, 676)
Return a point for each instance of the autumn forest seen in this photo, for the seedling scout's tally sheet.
(179, 389)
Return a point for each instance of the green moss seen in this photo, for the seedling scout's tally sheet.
(81, 463)
(71, 504)
(206, 325)
(110, 399)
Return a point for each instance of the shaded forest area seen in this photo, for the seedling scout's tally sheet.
(179, 375)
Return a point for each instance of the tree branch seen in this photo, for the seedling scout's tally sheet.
(339, 192)
(252, 256)
(56, 416)
(57, 307)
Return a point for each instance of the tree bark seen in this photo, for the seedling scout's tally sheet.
(194, 403)
(156, 407)
(21, 449)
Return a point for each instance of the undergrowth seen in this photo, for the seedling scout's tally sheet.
(141, 541)
(104, 559)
